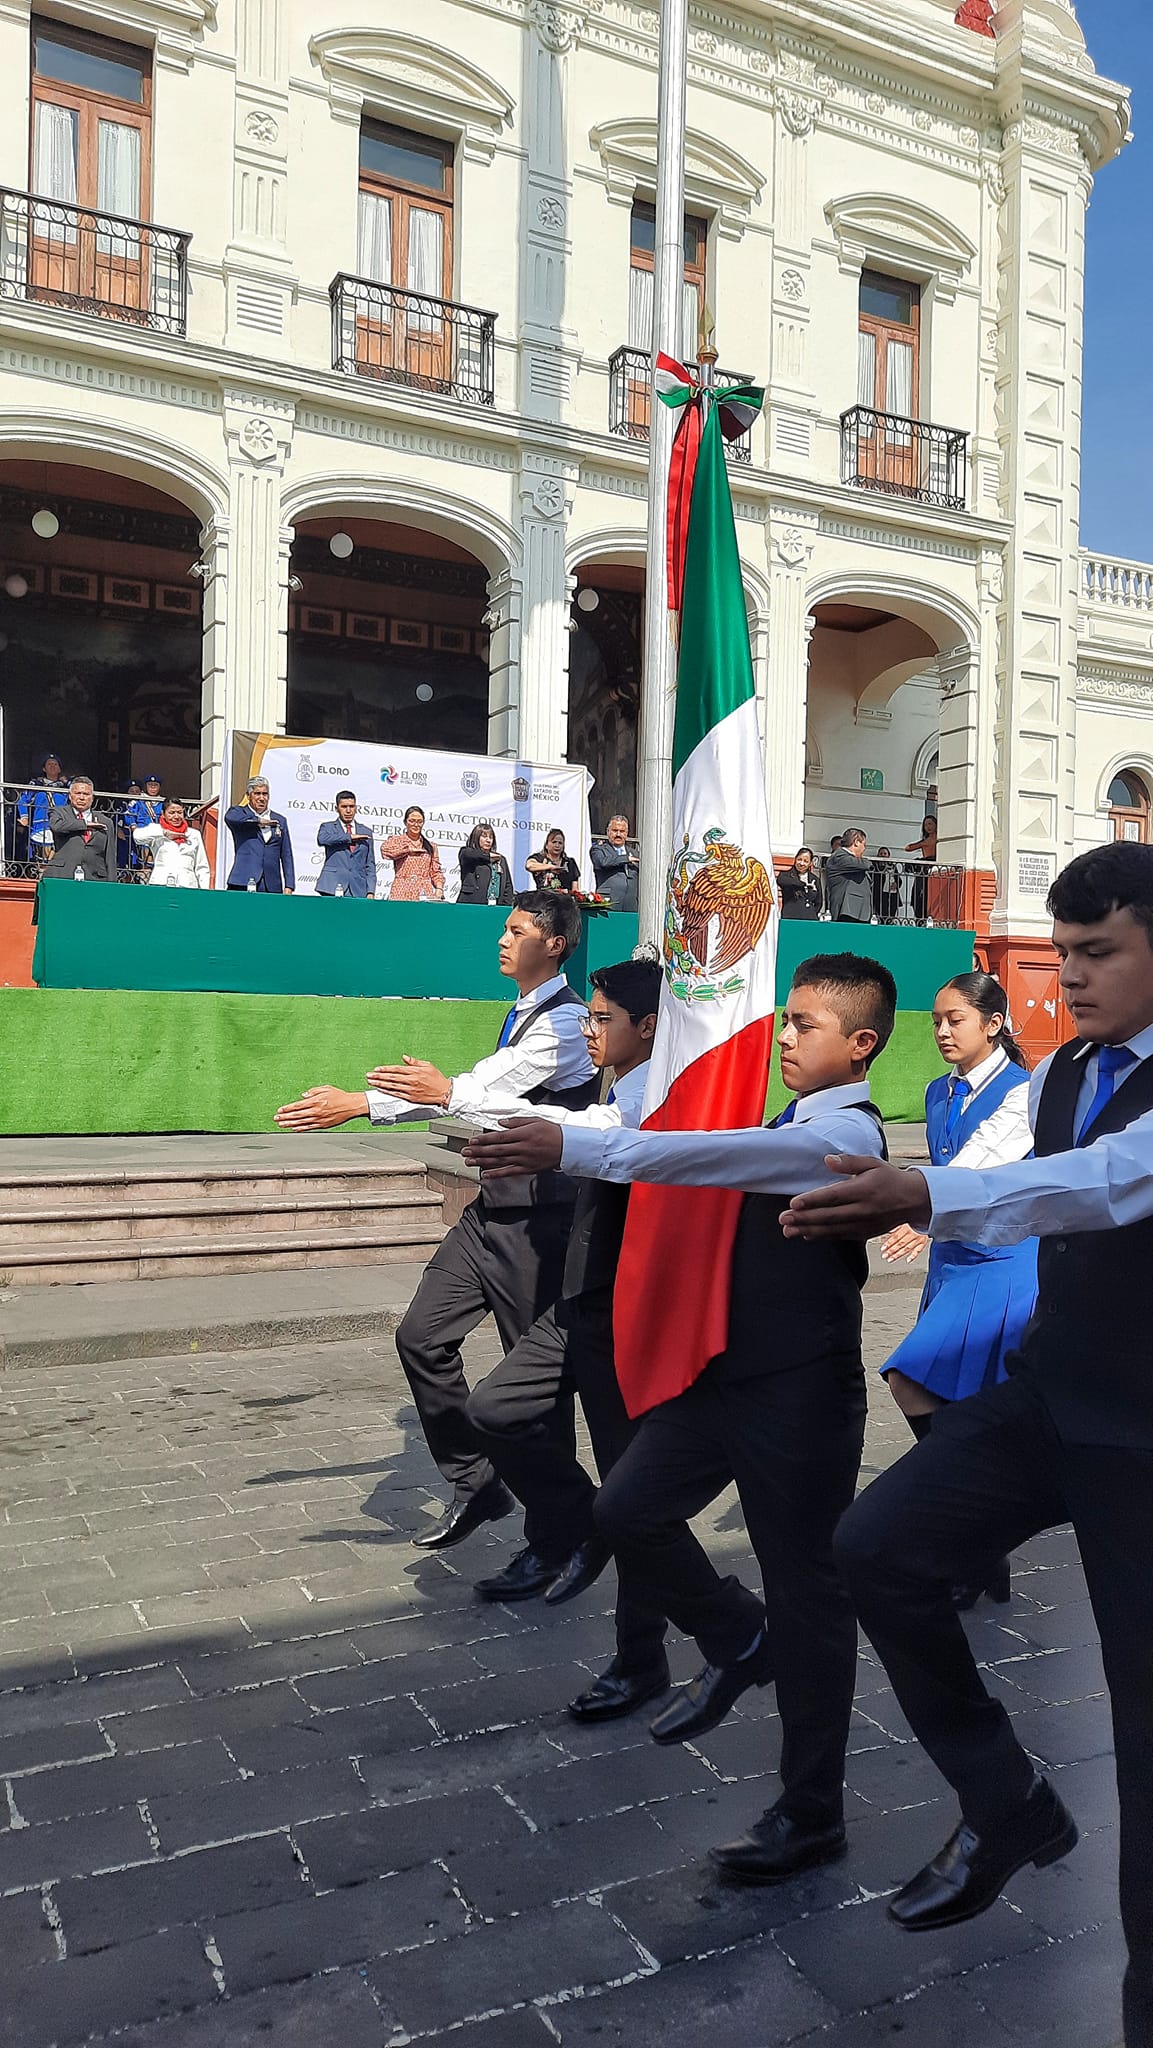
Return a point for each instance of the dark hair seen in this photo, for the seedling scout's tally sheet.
(634, 984)
(555, 913)
(554, 832)
(426, 843)
(482, 826)
(853, 832)
(1117, 877)
(989, 999)
(803, 849)
(860, 990)
(172, 803)
(342, 793)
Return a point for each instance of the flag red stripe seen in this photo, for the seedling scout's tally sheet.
(664, 1336)
(682, 470)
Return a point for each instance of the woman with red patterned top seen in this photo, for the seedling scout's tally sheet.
(416, 863)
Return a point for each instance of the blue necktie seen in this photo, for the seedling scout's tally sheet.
(612, 1094)
(786, 1115)
(959, 1092)
(1112, 1060)
(507, 1028)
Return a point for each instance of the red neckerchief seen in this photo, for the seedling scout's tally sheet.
(176, 831)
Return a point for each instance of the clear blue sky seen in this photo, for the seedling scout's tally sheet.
(1117, 474)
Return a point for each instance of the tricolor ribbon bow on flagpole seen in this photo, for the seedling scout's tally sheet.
(693, 391)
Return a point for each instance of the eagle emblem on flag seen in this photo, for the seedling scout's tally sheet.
(718, 907)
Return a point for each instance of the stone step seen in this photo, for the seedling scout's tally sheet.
(228, 1215)
(57, 1265)
(94, 1189)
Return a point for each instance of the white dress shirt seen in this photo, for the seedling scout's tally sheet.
(1108, 1182)
(1005, 1135)
(759, 1161)
(550, 1053)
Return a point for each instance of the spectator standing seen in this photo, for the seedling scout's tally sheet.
(485, 876)
(800, 887)
(177, 849)
(848, 885)
(835, 843)
(617, 864)
(145, 809)
(349, 864)
(45, 793)
(417, 873)
(886, 887)
(552, 867)
(263, 848)
(84, 838)
(924, 848)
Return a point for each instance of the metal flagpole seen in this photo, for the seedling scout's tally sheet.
(658, 679)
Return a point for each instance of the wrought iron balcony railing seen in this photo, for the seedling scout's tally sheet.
(914, 892)
(26, 843)
(906, 458)
(630, 400)
(102, 264)
(404, 337)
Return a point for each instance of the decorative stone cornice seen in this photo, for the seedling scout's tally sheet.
(403, 76)
(900, 234)
(715, 176)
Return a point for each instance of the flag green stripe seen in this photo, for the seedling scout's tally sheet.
(715, 668)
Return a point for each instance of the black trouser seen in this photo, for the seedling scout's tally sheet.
(993, 1472)
(792, 1442)
(512, 1412)
(507, 1262)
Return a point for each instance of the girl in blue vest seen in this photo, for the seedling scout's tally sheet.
(977, 1299)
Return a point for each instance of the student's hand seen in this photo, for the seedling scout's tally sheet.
(903, 1243)
(321, 1109)
(868, 1201)
(522, 1145)
(414, 1081)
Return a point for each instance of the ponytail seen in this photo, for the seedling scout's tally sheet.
(989, 999)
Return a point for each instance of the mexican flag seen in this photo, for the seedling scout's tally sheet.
(709, 1069)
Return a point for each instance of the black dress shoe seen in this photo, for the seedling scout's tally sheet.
(998, 1587)
(617, 1693)
(461, 1517)
(583, 1568)
(706, 1699)
(523, 1577)
(775, 1848)
(972, 1870)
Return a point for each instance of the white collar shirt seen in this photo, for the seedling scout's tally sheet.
(550, 1052)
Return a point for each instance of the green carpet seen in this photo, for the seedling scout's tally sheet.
(111, 1061)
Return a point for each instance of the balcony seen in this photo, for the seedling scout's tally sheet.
(630, 400)
(402, 337)
(905, 458)
(102, 264)
(1118, 586)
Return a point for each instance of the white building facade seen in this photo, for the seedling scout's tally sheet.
(275, 276)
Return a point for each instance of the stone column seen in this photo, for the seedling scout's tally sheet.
(792, 536)
(546, 596)
(259, 278)
(214, 554)
(549, 353)
(504, 600)
(258, 428)
(959, 826)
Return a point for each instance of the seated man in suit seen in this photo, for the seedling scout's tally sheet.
(349, 867)
(85, 840)
(848, 881)
(263, 848)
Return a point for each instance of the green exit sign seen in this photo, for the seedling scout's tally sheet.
(872, 778)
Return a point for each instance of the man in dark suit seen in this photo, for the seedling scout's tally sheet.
(85, 840)
(848, 887)
(263, 848)
(1067, 1437)
(349, 868)
(617, 865)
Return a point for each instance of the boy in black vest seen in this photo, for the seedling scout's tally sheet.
(1068, 1437)
(571, 1348)
(506, 1255)
(781, 1411)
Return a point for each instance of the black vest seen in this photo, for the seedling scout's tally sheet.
(1089, 1346)
(552, 1188)
(793, 1301)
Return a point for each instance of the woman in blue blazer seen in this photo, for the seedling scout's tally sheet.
(349, 867)
(977, 1298)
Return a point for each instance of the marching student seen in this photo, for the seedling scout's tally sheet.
(570, 1348)
(781, 1411)
(977, 1298)
(1067, 1437)
(506, 1254)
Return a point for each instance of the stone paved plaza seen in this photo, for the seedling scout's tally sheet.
(271, 1775)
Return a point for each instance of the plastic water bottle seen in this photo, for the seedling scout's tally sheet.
(252, 888)
(78, 874)
(340, 888)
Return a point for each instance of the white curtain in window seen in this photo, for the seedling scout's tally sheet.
(118, 186)
(641, 306)
(425, 267)
(690, 321)
(899, 396)
(374, 237)
(866, 368)
(54, 172)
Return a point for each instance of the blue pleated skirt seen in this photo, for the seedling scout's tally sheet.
(973, 1312)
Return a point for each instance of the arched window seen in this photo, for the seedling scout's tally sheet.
(1129, 807)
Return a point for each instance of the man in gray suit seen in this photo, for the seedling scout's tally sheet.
(848, 884)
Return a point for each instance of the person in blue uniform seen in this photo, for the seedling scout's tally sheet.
(978, 1298)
